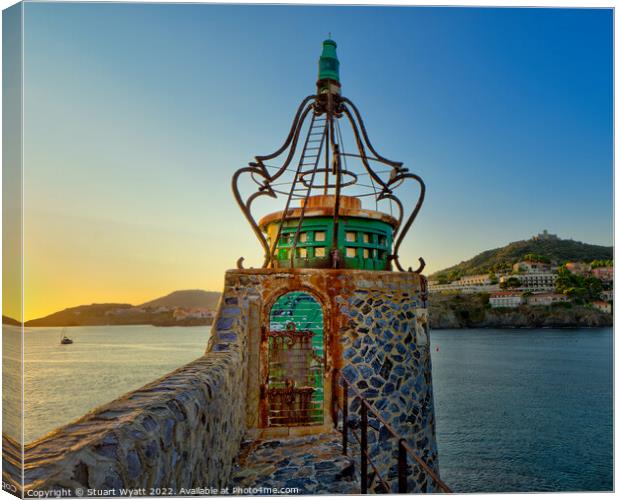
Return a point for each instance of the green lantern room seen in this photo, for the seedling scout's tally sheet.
(362, 238)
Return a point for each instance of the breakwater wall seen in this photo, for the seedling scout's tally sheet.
(179, 432)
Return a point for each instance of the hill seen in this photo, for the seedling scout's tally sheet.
(186, 298)
(555, 249)
(93, 314)
(127, 314)
(9, 321)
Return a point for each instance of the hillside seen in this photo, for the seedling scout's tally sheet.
(556, 249)
(9, 321)
(186, 298)
(127, 314)
(473, 311)
(93, 314)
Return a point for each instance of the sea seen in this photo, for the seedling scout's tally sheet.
(516, 410)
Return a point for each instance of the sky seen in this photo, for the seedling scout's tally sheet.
(136, 117)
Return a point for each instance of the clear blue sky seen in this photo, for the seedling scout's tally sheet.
(136, 117)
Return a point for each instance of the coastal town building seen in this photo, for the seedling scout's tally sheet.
(605, 274)
(603, 306)
(457, 286)
(546, 299)
(533, 282)
(531, 266)
(475, 279)
(180, 313)
(506, 299)
(607, 295)
(579, 268)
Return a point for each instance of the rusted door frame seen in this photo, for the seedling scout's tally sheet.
(264, 358)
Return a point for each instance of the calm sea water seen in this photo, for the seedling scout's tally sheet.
(63, 382)
(524, 410)
(517, 410)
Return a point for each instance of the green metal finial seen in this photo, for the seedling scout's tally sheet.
(328, 62)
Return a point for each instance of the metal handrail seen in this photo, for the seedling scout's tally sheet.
(359, 440)
(404, 448)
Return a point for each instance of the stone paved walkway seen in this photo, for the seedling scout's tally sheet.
(313, 464)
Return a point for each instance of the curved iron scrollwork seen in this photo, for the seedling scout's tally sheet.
(324, 138)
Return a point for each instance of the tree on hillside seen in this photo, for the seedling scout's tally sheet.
(500, 260)
(601, 263)
(536, 257)
(577, 287)
(511, 282)
(455, 275)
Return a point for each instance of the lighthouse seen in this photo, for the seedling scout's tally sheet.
(335, 320)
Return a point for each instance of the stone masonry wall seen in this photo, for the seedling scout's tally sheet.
(387, 361)
(181, 431)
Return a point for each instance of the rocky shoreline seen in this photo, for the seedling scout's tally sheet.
(473, 311)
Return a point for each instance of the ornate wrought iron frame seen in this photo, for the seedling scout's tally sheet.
(334, 107)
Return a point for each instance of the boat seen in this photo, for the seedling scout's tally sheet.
(64, 339)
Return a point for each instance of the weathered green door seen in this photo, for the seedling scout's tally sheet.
(296, 363)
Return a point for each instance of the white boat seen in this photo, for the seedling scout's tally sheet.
(64, 339)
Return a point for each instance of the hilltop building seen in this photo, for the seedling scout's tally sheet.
(545, 236)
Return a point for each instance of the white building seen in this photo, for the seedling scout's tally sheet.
(474, 279)
(546, 299)
(602, 306)
(537, 281)
(457, 287)
(533, 282)
(531, 266)
(506, 299)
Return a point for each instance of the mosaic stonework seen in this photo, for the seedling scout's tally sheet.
(312, 465)
(387, 361)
